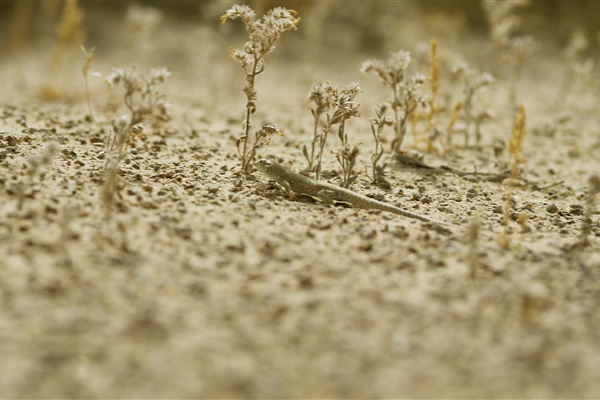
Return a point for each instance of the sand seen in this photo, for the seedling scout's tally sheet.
(202, 284)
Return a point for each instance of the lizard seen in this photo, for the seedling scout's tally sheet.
(294, 183)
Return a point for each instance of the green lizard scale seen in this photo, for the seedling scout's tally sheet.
(294, 182)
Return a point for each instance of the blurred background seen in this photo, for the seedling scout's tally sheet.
(30, 22)
(41, 40)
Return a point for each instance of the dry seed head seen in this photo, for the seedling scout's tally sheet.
(318, 96)
(89, 55)
(342, 100)
(263, 33)
(140, 95)
(380, 118)
(392, 71)
(269, 130)
(236, 11)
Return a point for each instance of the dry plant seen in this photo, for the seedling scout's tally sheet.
(474, 113)
(89, 56)
(262, 137)
(502, 22)
(378, 123)
(514, 147)
(344, 107)
(263, 33)
(144, 102)
(36, 163)
(318, 102)
(406, 91)
(70, 35)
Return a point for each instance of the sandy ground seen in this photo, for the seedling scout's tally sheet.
(198, 287)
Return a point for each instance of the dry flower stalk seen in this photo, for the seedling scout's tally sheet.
(262, 138)
(474, 83)
(378, 123)
(406, 91)
(144, 102)
(344, 108)
(89, 55)
(318, 102)
(263, 33)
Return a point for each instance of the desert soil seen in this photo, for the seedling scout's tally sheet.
(202, 284)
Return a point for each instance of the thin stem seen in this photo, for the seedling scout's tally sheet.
(248, 113)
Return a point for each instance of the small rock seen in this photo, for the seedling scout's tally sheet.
(576, 209)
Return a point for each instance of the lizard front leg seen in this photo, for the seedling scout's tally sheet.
(288, 189)
(326, 196)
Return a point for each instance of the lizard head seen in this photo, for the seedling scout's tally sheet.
(264, 164)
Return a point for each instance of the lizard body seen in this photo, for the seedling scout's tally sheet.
(293, 182)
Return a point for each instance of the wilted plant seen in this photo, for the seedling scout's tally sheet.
(515, 143)
(263, 34)
(89, 55)
(474, 83)
(406, 91)
(344, 108)
(318, 102)
(262, 138)
(143, 101)
(378, 123)
(35, 165)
